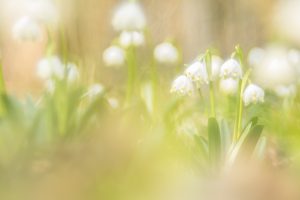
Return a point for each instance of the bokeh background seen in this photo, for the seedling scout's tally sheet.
(194, 24)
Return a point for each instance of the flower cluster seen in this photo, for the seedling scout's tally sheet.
(130, 20)
(207, 69)
(52, 68)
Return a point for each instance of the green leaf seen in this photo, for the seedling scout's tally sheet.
(214, 141)
(246, 144)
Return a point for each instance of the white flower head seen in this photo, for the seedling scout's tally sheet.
(216, 63)
(197, 73)
(166, 53)
(72, 72)
(182, 85)
(114, 56)
(231, 69)
(131, 38)
(229, 86)
(43, 10)
(253, 94)
(94, 90)
(26, 29)
(129, 17)
(286, 91)
(50, 67)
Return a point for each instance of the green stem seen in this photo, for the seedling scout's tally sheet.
(212, 99)
(131, 72)
(2, 91)
(239, 112)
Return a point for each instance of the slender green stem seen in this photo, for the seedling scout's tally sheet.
(131, 72)
(2, 92)
(239, 112)
(212, 99)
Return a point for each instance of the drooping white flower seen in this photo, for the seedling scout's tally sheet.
(253, 94)
(72, 72)
(182, 85)
(129, 17)
(256, 56)
(216, 63)
(229, 86)
(166, 53)
(231, 69)
(286, 91)
(114, 56)
(197, 72)
(43, 10)
(94, 90)
(50, 67)
(26, 29)
(131, 38)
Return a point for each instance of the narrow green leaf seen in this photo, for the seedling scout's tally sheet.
(214, 141)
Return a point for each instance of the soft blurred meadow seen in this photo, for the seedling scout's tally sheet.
(149, 99)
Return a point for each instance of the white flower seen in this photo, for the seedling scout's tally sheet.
(132, 38)
(216, 63)
(231, 69)
(197, 72)
(50, 67)
(286, 91)
(43, 10)
(129, 17)
(253, 94)
(72, 72)
(114, 56)
(256, 56)
(182, 85)
(229, 86)
(26, 29)
(94, 90)
(166, 53)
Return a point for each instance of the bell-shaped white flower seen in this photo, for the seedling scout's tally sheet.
(131, 38)
(72, 72)
(50, 67)
(216, 63)
(231, 69)
(197, 72)
(166, 53)
(43, 10)
(182, 85)
(114, 56)
(129, 17)
(229, 86)
(253, 94)
(286, 91)
(94, 90)
(26, 29)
